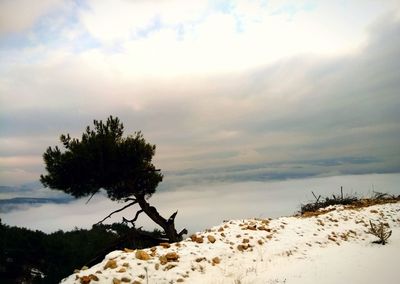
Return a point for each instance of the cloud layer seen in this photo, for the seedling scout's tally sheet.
(233, 90)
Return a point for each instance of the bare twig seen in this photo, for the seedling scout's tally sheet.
(91, 197)
(317, 198)
(116, 211)
(380, 231)
(124, 220)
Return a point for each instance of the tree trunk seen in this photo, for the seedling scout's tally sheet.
(167, 225)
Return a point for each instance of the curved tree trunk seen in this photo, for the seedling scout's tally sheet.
(167, 225)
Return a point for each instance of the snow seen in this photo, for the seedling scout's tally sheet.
(333, 247)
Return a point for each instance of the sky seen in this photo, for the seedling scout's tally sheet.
(229, 91)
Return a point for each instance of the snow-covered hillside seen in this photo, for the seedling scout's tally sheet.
(333, 247)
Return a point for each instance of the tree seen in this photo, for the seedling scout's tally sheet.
(104, 159)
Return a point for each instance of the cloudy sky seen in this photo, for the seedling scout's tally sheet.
(227, 90)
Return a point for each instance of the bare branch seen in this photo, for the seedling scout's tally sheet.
(134, 219)
(183, 232)
(317, 198)
(91, 197)
(172, 218)
(116, 211)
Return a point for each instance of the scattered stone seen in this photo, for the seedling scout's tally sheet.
(165, 245)
(85, 280)
(142, 255)
(172, 256)
(180, 280)
(157, 266)
(142, 276)
(211, 239)
(110, 264)
(200, 259)
(169, 266)
(245, 241)
(126, 264)
(163, 259)
(93, 277)
(122, 270)
(251, 227)
(242, 247)
(260, 242)
(128, 250)
(116, 281)
(136, 282)
(84, 268)
(216, 260)
(76, 271)
(125, 279)
(197, 239)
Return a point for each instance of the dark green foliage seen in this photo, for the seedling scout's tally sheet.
(102, 159)
(59, 253)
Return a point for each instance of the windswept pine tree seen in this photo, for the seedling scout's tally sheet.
(104, 159)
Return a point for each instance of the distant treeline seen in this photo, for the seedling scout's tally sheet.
(28, 256)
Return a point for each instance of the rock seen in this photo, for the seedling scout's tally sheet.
(245, 241)
(122, 270)
(156, 266)
(128, 250)
(125, 279)
(84, 268)
(169, 266)
(216, 260)
(93, 277)
(126, 264)
(163, 259)
(180, 280)
(197, 239)
(110, 264)
(116, 281)
(200, 259)
(251, 227)
(136, 282)
(211, 239)
(142, 255)
(76, 271)
(242, 247)
(172, 256)
(85, 280)
(165, 245)
(260, 242)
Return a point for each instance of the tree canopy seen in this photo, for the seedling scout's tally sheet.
(104, 159)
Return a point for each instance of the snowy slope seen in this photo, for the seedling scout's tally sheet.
(329, 248)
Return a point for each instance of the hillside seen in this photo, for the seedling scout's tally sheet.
(332, 246)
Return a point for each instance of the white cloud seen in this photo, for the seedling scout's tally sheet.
(201, 207)
(21, 15)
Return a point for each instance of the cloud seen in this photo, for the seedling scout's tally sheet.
(20, 15)
(209, 101)
(202, 207)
